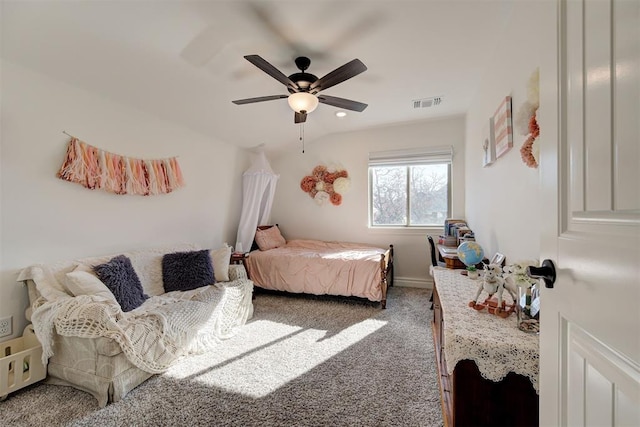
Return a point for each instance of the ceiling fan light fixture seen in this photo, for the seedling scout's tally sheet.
(303, 101)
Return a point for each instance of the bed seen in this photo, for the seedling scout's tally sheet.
(320, 267)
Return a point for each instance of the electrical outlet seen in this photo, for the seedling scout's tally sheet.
(5, 326)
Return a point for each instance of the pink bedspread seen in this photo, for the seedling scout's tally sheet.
(320, 268)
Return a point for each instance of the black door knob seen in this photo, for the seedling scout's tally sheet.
(546, 272)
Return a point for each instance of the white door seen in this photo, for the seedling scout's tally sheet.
(590, 179)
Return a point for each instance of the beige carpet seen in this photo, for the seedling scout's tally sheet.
(300, 361)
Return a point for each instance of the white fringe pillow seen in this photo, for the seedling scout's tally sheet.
(220, 259)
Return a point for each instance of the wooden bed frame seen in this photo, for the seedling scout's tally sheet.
(386, 268)
(386, 274)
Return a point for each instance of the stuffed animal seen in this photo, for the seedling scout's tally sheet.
(491, 281)
(493, 284)
(516, 274)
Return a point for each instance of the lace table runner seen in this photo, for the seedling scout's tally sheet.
(495, 344)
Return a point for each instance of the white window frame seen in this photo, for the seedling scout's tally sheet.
(410, 157)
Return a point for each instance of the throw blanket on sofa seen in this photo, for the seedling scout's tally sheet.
(155, 334)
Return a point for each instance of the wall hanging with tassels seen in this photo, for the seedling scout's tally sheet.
(98, 169)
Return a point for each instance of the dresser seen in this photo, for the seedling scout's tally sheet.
(488, 367)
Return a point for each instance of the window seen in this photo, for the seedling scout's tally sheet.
(410, 188)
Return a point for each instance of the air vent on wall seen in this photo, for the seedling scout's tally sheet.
(427, 102)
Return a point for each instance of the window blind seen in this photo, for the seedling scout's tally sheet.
(412, 156)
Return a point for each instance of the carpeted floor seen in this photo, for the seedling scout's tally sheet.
(299, 362)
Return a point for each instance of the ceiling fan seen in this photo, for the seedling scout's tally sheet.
(304, 87)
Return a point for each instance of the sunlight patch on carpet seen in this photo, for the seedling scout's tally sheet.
(280, 354)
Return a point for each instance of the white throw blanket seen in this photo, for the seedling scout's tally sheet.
(155, 334)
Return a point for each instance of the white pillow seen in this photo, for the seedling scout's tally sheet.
(220, 259)
(47, 284)
(82, 281)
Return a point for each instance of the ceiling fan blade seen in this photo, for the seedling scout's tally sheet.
(258, 99)
(347, 104)
(358, 30)
(272, 71)
(340, 74)
(267, 16)
(203, 48)
(299, 117)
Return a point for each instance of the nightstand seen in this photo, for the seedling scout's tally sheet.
(238, 258)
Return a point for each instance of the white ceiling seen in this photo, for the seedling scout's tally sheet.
(183, 60)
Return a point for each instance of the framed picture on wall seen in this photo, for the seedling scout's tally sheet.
(503, 127)
(488, 144)
(498, 258)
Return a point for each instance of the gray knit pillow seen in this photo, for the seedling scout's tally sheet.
(121, 279)
(183, 271)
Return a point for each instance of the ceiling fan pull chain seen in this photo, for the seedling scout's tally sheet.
(302, 136)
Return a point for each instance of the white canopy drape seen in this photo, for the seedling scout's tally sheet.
(258, 189)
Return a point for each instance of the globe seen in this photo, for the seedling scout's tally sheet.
(470, 253)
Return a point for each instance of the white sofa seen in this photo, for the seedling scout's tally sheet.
(91, 344)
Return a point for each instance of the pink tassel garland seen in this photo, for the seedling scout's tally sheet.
(95, 168)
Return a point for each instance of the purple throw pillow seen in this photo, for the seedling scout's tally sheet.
(183, 271)
(121, 279)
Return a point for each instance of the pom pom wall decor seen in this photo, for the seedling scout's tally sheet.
(326, 184)
(94, 168)
(527, 124)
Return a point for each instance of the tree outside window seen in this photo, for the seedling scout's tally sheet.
(409, 195)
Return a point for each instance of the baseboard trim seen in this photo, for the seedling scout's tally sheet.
(413, 282)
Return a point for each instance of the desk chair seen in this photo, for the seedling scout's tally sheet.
(434, 253)
(434, 260)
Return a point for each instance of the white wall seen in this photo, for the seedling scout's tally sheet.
(300, 217)
(47, 219)
(503, 200)
(1, 107)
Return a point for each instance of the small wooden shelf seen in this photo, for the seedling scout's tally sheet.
(238, 258)
(450, 258)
